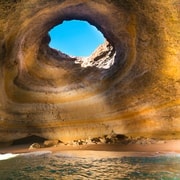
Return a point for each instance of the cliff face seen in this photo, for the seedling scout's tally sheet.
(46, 93)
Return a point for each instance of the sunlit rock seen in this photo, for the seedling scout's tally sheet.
(34, 146)
(49, 143)
(103, 57)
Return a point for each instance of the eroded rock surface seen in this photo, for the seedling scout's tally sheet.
(103, 57)
(48, 94)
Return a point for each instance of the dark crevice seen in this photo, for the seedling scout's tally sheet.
(29, 140)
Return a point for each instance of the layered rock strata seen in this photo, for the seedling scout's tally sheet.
(131, 89)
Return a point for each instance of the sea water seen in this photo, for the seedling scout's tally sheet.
(48, 166)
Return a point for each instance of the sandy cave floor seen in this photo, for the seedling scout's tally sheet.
(170, 146)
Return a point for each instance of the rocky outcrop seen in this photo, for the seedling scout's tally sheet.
(48, 94)
(110, 139)
(103, 57)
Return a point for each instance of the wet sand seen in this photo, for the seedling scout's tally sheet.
(170, 146)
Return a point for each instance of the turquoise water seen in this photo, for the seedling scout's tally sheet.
(47, 166)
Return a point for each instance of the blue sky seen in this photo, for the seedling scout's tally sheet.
(75, 38)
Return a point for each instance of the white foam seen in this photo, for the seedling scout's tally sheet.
(37, 153)
(7, 156)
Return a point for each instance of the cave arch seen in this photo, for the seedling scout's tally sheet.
(35, 41)
(47, 94)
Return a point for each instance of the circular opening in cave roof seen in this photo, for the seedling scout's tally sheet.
(76, 38)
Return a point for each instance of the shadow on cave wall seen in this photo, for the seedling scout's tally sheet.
(29, 140)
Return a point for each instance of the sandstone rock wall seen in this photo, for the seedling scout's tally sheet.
(44, 93)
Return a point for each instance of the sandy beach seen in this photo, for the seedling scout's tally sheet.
(169, 146)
